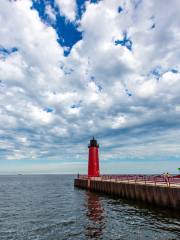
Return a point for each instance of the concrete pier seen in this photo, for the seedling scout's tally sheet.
(158, 194)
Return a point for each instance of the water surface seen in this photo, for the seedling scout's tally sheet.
(48, 207)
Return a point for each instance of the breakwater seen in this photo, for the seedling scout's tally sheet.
(163, 195)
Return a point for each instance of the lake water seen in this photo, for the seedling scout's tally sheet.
(48, 207)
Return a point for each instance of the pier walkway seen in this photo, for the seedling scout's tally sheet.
(155, 180)
(159, 190)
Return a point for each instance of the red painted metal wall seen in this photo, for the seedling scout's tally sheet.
(93, 163)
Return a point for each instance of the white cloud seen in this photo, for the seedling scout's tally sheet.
(119, 122)
(67, 8)
(59, 132)
(129, 99)
(40, 115)
(147, 88)
(50, 12)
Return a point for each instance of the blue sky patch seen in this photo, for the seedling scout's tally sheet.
(48, 109)
(126, 42)
(120, 9)
(95, 1)
(153, 26)
(7, 51)
(68, 33)
(99, 88)
(174, 70)
(156, 72)
(128, 92)
(76, 105)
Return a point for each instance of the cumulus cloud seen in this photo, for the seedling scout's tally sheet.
(120, 82)
(67, 8)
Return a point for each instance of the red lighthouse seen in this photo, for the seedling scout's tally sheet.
(93, 164)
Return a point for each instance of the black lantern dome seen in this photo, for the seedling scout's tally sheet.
(93, 143)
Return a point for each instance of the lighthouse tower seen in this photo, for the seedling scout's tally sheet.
(93, 163)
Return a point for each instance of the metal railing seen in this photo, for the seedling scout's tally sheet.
(166, 180)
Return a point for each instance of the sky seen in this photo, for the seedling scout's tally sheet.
(73, 69)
